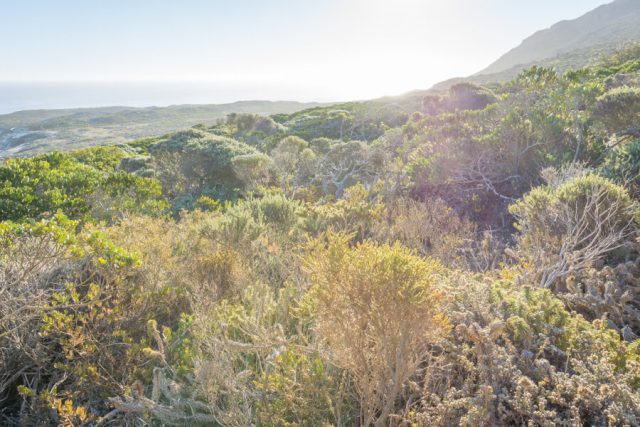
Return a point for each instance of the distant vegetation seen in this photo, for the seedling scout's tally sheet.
(463, 258)
(40, 131)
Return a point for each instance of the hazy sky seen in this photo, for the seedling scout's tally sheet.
(322, 49)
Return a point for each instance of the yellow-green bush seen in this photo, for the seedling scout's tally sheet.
(377, 308)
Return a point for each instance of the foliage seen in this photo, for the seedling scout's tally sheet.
(40, 186)
(467, 96)
(194, 163)
(431, 228)
(622, 165)
(354, 214)
(572, 225)
(518, 356)
(103, 158)
(366, 263)
(294, 163)
(393, 306)
(32, 188)
(619, 110)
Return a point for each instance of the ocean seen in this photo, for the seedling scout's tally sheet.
(37, 96)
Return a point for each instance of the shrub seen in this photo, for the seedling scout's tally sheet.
(431, 228)
(377, 308)
(619, 110)
(293, 163)
(103, 158)
(563, 229)
(197, 162)
(124, 193)
(622, 165)
(467, 96)
(252, 169)
(40, 186)
(356, 214)
(517, 356)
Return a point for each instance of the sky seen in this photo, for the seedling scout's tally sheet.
(325, 50)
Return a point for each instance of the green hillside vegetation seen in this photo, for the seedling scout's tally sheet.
(469, 257)
(27, 133)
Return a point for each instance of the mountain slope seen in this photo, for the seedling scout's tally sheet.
(576, 41)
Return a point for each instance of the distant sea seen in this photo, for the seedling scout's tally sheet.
(35, 96)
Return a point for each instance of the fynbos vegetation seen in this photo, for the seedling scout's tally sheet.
(468, 259)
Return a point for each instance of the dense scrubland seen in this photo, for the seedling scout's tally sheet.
(464, 259)
(32, 132)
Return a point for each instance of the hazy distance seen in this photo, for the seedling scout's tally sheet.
(73, 53)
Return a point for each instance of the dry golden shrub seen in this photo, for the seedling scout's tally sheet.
(378, 309)
(430, 227)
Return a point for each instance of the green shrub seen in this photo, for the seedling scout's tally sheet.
(619, 110)
(566, 228)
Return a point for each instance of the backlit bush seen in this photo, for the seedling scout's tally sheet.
(378, 308)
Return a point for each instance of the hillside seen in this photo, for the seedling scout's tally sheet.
(467, 255)
(38, 131)
(470, 258)
(574, 43)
